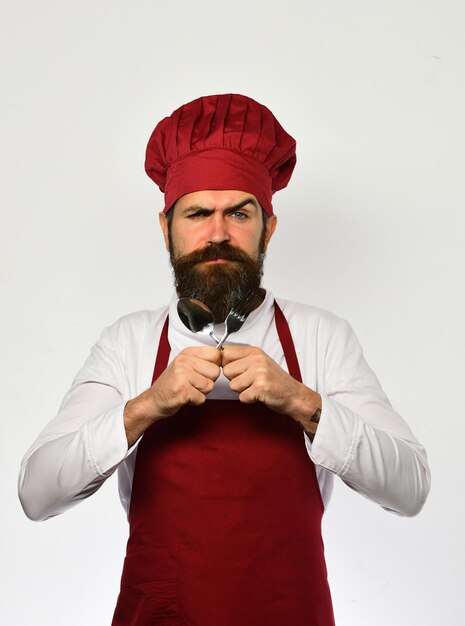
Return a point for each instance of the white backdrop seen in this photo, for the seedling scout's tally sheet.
(370, 228)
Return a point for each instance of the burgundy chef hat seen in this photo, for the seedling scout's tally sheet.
(226, 141)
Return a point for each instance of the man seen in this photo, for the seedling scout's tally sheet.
(226, 460)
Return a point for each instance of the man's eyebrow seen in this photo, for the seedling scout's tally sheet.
(235, 207)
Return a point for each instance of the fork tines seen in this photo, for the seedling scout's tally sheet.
(245, 305)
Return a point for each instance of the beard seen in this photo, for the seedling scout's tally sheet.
(221, 285)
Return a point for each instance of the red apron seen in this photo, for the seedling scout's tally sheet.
(225, 518)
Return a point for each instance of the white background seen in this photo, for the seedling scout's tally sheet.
(370, 228)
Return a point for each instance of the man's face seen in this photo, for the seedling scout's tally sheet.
(217, 240)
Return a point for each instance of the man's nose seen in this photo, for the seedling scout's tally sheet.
(218, 232)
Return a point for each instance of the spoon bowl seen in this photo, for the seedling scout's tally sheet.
(197, 317)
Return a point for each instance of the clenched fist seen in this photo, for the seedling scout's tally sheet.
(187, 380)
(257, 378)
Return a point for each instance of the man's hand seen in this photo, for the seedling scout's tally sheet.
(257, 378)
(187, 380)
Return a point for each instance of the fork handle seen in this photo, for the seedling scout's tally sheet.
(222, 340)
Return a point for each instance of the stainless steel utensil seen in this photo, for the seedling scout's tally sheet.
(197, 317)
(238, 314)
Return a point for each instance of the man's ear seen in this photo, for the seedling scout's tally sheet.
(164, 227)
(270, 227)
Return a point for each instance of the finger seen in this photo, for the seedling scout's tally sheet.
(206, 368)
(186, 390)
(201, 383)
(207, 353)
(187, 361)
(235, 368)
(233, 353)
(249, 396)
(196, 398)
(187, 370)
(256, 362)
(242, 382)
(189, 393)
(172, 393)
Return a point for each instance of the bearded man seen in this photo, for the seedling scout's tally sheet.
(226, 458)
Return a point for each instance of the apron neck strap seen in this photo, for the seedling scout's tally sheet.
(287, 343)
(163, 353)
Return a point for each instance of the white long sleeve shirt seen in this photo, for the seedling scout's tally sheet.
(360, 438)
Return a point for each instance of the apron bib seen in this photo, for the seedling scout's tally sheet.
(225, 518)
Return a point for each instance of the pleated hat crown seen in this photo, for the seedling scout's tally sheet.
(226, 141)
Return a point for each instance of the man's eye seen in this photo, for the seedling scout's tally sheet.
(239, 214)
(197, 214)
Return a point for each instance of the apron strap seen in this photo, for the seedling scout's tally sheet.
(287, 343)
(163, 353)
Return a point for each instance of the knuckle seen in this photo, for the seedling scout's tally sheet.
(262, 383)
(177, 373)
(208, 386)
(197, 399)
(258, 359)
(179, 387)
(214, 372)
(234, 385)
(181, 360)
(246, 397)
(188, 351)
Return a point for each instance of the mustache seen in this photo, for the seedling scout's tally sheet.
(216, 251)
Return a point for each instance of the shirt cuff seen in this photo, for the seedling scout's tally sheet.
(106, 442)
(335, 442)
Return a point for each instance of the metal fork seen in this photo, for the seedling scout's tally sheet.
(238, 314)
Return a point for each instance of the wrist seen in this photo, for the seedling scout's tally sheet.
(312, 425)
(309, 411)
(137, 410)
(139, 413)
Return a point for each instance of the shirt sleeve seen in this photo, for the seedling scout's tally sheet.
(83, 445)
(361, 438)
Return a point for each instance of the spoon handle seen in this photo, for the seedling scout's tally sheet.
(214, 337)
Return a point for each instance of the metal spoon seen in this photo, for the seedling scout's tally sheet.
(197, 317)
